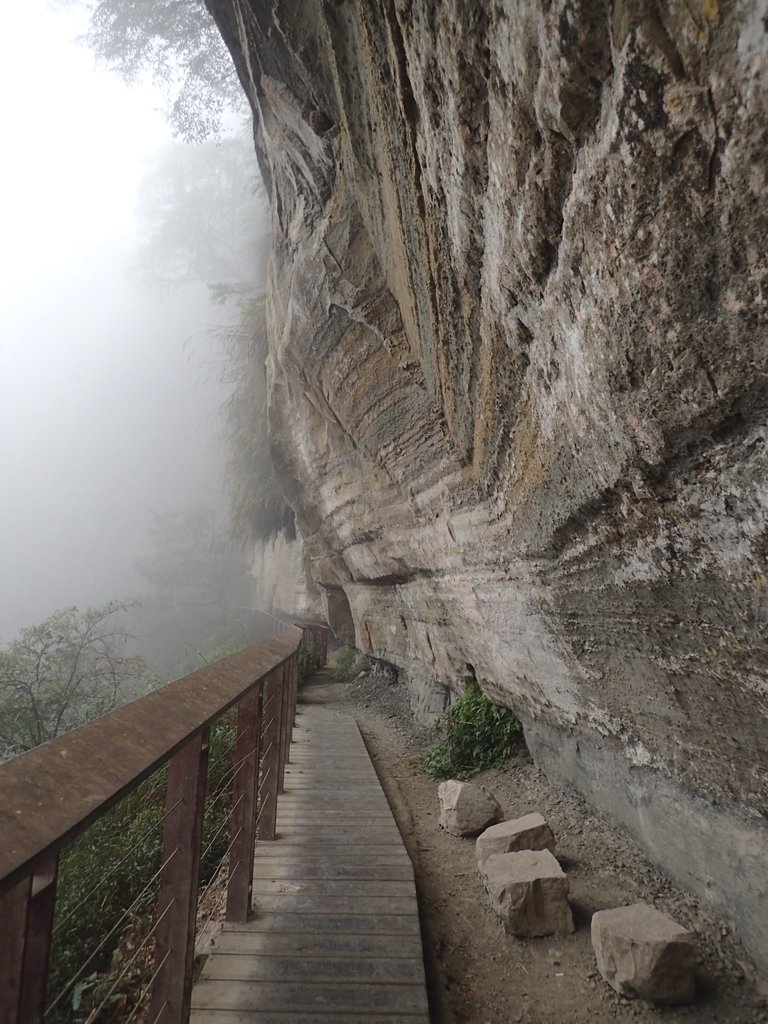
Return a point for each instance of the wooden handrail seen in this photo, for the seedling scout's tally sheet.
(49, 796)
(51, 793)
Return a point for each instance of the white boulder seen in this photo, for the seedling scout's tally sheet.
(531, 832)
(529, 892)
(643, 953)
(466, 808)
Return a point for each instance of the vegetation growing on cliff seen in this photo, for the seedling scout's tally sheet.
(348, 664)
(474, 733)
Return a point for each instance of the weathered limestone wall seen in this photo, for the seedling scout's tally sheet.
(280, 584)
(519, 381)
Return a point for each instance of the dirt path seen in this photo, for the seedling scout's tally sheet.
(475, 973)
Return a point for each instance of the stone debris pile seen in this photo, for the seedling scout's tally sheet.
(640, 952)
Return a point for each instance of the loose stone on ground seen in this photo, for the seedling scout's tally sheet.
(531, 832)
(529, 892)
(466, 808)
(643, 953)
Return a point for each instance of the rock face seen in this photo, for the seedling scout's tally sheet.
(531, 832)
(529, 892)
(642, 952)
(280, 584)
(518, 377)
(466, 808)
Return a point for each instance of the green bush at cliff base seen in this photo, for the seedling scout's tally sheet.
(347, 665)
(307, 664)
(474, 733)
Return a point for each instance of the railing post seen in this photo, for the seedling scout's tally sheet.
(179, 880)
(25, 944)
(294, 663)
(270, 765)
(285, 724)
(244, 804)
(13, 915)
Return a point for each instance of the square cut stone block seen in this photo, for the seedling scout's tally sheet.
(529, 892)
(645, 954)
(466, 808)
(531, 832)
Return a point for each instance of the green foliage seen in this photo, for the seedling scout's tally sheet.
(61, 673)
(307, 664)
(347, 665)
(474, 733)
(177, 44)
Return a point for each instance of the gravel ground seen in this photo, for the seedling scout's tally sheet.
(476, 973)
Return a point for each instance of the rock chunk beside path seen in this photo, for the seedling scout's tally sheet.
(466, 808)
(642, 952)
(531, 832)
(529, 892)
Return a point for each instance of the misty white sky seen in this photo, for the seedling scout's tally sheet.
(104, 412)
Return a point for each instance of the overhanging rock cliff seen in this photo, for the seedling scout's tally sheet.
(519, 379)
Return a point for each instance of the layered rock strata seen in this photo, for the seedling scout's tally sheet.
(518, 377)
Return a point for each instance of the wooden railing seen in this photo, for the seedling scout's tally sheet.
(51, 794)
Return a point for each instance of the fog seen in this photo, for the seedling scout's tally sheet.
(109, 392)
(108, 408)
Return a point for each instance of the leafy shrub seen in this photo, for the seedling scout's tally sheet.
(307, 663)
(474, 733)
(348, 664)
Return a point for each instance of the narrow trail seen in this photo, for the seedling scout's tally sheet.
(334, 934)
(476, 974)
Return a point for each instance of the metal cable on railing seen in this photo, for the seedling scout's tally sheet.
(59, 923)
(93, 1015)
(147, 989)
(176, 764)
(70, 984)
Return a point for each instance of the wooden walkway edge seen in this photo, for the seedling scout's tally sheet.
(334, 937)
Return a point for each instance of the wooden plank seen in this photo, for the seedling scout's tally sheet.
(313, 1017)
(343, 924)
(353, 906)
(334, 936)
(334, 886)
(318, 944)
(318, 969)
(339, 997)
(394, 868)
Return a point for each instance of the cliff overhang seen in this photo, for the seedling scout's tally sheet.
(518, 377)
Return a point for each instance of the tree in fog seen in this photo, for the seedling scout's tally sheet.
(61, 673)
(199, 601)
(176, 42)
(199, 212)
(192, 564)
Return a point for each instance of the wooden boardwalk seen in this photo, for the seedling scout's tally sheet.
(334, 937)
